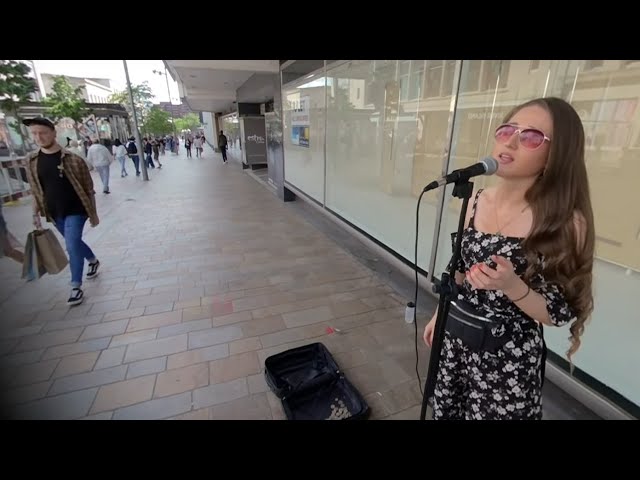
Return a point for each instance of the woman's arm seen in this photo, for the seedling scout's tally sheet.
(547, 303)
(549, 310)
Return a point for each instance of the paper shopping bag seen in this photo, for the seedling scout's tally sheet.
(32, 269)
(50, 252)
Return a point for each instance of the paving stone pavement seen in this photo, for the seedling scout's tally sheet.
(205, 273)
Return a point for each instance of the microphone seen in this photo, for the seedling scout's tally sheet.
(487, 166)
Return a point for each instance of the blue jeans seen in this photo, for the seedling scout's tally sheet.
(71, 229)
(136, 163)
(123, 170)
(104, 176)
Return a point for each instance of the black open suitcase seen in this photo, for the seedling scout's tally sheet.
(311, 386)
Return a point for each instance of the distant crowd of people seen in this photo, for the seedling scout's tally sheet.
(196, 142)
(99, 154)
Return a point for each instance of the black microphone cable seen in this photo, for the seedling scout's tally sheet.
(415, 295)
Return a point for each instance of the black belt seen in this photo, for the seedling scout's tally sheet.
(465, 323)
(474, 330)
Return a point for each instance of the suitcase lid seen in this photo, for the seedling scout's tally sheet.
(300, 368)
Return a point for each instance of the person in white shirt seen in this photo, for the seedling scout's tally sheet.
(120, 152)
(99, 156)
(197, 144)
(75, 147)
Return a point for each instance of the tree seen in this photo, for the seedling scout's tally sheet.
(157, 122)
(65, 101)
(190, 121)
(142, 99)
(16, 87)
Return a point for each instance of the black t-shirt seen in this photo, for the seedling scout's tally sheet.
(59, 195)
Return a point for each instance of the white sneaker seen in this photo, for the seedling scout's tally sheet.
(76, 296)
(93, 269)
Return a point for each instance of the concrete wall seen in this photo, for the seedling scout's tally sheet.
(209, 128)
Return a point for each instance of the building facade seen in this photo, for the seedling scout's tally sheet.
(94, 90)
(106, 121)
(178, 111)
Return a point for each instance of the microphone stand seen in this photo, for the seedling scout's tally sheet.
(463, 189)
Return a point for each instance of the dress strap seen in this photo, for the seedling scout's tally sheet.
(473, 209)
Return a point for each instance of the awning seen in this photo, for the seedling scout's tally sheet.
(211, 85)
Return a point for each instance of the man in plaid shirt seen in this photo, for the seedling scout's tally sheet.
(63, 193)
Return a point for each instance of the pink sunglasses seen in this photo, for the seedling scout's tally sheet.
(529, 138)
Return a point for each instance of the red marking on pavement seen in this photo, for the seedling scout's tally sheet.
(222, 308)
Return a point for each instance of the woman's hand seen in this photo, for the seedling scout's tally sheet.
(37, 223)
(483, 277)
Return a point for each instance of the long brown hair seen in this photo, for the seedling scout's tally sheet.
(558, 199)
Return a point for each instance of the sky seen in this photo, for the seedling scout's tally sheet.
(139, 71)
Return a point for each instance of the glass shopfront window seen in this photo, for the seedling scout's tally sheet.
(382, 151)
(303, 106)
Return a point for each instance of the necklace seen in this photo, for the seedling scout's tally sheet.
(501, 228)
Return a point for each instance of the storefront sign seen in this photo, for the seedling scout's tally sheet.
(300, 123)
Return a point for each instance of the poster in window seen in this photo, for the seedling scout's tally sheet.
(300, 122)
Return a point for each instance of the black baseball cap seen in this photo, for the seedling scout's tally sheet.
(45, 122)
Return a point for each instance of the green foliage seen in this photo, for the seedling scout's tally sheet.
(190, 121)
(157, 122)
(142, 99)
(16, 87)
(65, 101)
